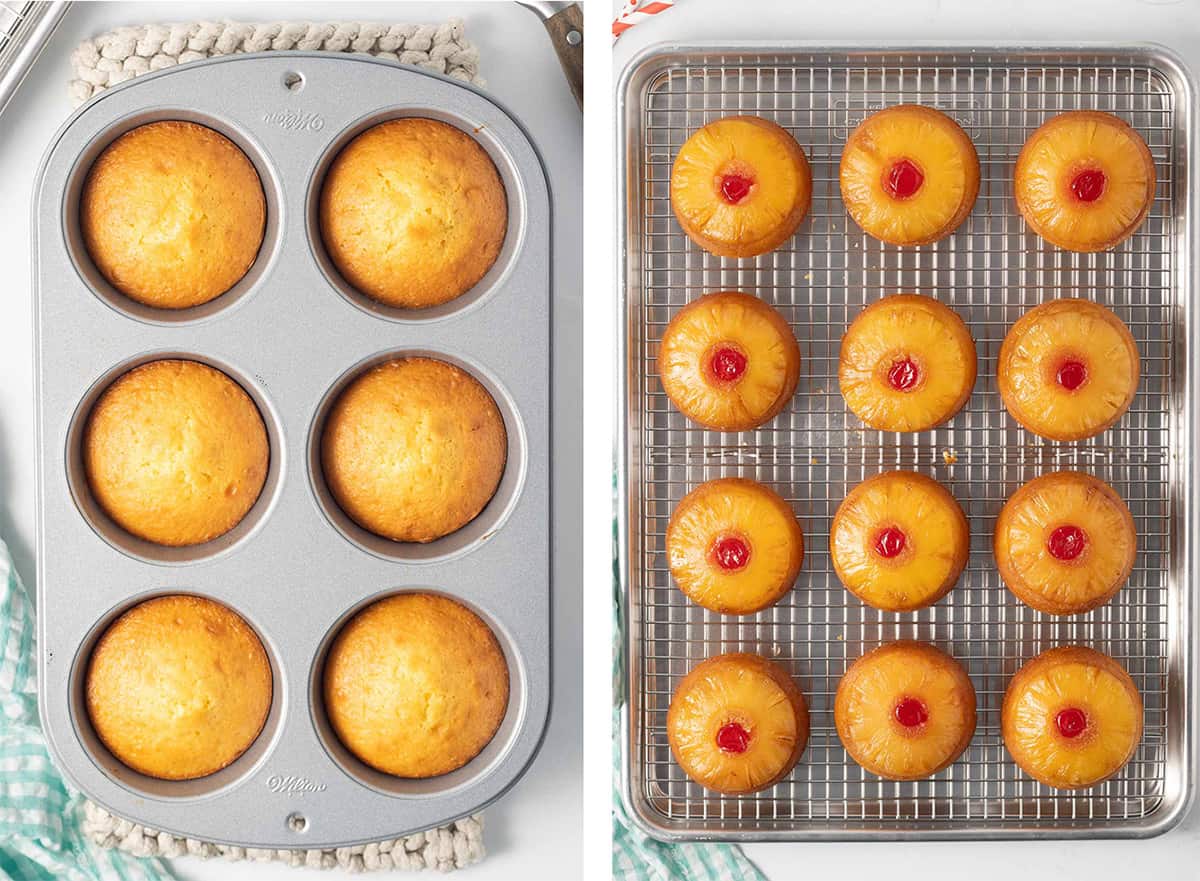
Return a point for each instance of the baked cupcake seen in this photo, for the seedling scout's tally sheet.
(907, 363)
(899, 541)
(734, 546)
(413, 449)
(172, 214)
(729, 361)
(905, 710)
(1065, 543)
(415, 685)
(1068, 369)
(413, 213)
(1072, 717)
(1085, 181)
(740, 186)
(178, 687)
(909, 175)
(737, 724)
(175, 452)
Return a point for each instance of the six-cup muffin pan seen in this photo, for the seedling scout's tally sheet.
(292, 333)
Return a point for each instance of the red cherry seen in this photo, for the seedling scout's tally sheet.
(735, 187)
(1071, 722)
(733, 738)
(911, 712)
(903, 180)
(1088, 186)
(1066, 542)
(904, 375)
(889, 542)
(731, 553)
(1072, 374)
(728, 364)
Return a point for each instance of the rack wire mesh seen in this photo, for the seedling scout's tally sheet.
(12, 15)
(991, 271)
(25, 27)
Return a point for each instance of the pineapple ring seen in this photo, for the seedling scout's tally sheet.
(1085, 181)
(905, 710)
(1068, 369)
(737, 723)
(899, 541)
(740, 186)
(729, 361)
(907, 364)
(1065, 543)
(734, 546)
(909, 175)
(1072, 717)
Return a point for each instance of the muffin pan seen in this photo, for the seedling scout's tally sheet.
(990, 271)
(292, 333)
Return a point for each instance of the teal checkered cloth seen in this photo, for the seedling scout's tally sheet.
(637, 856)
(41, 838)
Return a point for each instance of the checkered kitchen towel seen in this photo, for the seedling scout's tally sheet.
(40, 833)
(637, 856)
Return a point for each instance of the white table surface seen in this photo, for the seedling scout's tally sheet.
(1175, 23)
(533, 832)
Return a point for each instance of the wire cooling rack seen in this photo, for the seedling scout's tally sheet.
(25, 27)
(991, 271)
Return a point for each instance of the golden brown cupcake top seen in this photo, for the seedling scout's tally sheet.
(414, 449)
(175, 452)
(178, 687)
(415, 685)
(172, 214)
(413, 213)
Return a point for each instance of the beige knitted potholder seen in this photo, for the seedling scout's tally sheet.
(121, 55)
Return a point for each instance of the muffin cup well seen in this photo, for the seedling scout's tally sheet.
(407, 787)
(496, 275)
(153, 787)
(148, 551)
(95, 280)
(463, 540)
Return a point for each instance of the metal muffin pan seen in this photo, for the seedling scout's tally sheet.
(990, 271)
(292, 333)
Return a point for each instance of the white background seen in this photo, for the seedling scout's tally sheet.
(1172, 22)
(534, 831)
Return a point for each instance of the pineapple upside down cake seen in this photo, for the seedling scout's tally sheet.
(737, 723)
(1068, 369)
(905, 710)
(1065, 543)
(740, 186)
(729, 361)
(734, 546)
(907, 363)
(899, 541)
(909, 175)
(1085, 181)
(1072, 717)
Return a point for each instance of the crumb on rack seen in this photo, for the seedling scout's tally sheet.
(949, 457)
(814, 461)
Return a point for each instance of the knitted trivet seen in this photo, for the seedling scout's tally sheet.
(122, 54)
(450, 847)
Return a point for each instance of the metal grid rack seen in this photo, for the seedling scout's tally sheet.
(991, 271)
(12, 14)
(25, 27)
